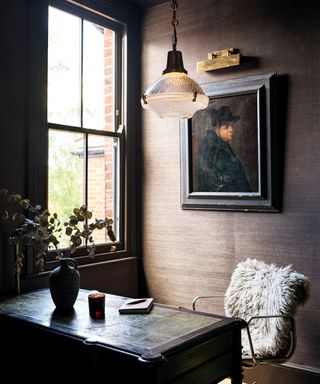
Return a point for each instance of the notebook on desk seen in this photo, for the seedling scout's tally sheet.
(142, 305)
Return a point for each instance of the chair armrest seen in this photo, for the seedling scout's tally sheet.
(194, 301)
(269, 360)
(270, 317)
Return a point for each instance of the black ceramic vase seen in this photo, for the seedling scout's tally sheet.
(64, 284)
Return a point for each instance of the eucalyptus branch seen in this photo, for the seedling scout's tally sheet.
(43, 231)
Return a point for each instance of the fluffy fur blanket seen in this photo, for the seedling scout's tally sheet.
(257, 289)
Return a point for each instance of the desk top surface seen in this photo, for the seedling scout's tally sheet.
(146, 335)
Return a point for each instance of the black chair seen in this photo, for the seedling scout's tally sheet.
(266, 297)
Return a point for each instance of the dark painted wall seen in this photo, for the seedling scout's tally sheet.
(13, 128)
(187, 253)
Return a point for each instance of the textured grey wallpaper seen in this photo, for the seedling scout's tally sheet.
(187, 253)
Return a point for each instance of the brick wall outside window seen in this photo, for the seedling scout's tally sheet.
(100, 160)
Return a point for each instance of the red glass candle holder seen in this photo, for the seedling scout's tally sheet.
(96, 302)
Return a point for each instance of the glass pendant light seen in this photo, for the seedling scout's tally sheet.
(174, 94)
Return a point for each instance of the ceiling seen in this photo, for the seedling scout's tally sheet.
(148, 3)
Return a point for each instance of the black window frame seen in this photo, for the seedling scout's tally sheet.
(37, 165)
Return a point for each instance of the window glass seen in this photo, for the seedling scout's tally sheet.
(98, 74)
(102, 165)
(64, 68)
(66, 173)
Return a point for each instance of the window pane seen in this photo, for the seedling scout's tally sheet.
(66, 173)
(64, 69)
(98, 52)
(102, 157)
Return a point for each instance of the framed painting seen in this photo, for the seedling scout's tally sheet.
(228, 151)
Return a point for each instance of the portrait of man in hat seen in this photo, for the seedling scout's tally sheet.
(217, 167)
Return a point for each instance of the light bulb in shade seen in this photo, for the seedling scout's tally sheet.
(175, 95)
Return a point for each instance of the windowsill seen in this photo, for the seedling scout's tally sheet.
(93, 263)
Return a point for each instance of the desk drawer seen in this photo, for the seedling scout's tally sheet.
(199, 363)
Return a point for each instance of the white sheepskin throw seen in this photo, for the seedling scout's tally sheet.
(257, 289)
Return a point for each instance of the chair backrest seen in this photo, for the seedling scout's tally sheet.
(260, 289)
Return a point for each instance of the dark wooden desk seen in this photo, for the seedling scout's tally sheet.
(168, 345)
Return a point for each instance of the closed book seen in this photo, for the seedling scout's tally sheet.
(143, 305)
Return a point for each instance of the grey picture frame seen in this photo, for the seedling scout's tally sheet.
(251, 99)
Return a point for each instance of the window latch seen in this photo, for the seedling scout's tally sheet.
(120, 128)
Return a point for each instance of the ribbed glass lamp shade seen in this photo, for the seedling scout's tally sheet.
(174, 95)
